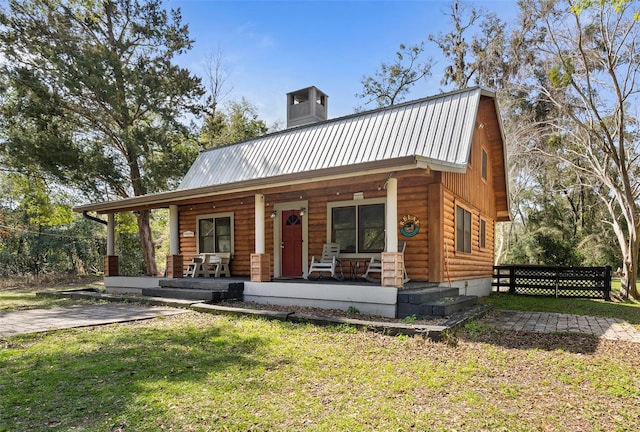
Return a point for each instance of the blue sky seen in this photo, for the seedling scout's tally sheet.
(274, 47)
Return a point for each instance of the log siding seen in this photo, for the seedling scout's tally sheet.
(432, 197)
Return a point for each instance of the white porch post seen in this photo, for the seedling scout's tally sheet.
(111, 234)
(111, 265)
(174, 231)
(392, 260)
(260, 248)
(260, 261)
(175, 267)
(391, 216)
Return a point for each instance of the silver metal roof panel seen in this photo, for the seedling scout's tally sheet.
(438, 129)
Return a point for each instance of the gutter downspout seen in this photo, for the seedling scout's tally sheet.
(111, 230)
(93, 218)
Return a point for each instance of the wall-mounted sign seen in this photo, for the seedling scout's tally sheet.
(358, 195)
(409, 225)
(188, 234)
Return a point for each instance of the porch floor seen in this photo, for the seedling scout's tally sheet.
(213, 283)
(411, 285)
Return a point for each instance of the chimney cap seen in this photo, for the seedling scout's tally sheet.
(306, 106)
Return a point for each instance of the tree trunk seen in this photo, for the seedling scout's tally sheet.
(628, 282)
(148, 248)
(632, 287)
(501, 240)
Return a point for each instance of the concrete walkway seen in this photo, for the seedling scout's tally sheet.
(546, 322)
(43, 320)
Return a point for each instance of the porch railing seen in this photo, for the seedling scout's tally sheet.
(558, 281)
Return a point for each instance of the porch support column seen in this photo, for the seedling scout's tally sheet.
(260, 261)
(259, 223)
(174, 259)
(111, 264)
(174, 231)
(111, 234)
(391, 216)
(392, 260)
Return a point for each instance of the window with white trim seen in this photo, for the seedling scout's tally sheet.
(358, 226)
(215, 233)
(463, 230)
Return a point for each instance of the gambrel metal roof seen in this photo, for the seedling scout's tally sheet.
(435, 131)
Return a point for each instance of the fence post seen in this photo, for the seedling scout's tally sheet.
(512, 279)
(607, 283)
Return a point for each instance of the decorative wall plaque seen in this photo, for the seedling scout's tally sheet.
(409, 225)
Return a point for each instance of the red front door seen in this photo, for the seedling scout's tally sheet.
(291, 243)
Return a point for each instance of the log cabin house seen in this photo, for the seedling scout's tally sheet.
(430, 172)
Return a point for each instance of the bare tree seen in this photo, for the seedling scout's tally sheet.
(588, 56)
(218, 88)
(217, 79)
(391, 83)
(475, 49)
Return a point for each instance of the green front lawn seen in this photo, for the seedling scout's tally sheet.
(200, 372)
(19, 294)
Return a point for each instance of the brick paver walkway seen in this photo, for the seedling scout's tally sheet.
(42, 320)
(545, 322)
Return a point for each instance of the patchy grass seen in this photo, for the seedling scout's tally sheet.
(198, 372)
(20, 293)
(45, 281)
(625, 310)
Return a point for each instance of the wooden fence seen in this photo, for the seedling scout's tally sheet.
(589, 282)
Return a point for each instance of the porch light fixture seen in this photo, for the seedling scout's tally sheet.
(303, 210)
(274, 213)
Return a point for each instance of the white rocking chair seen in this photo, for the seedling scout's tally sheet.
(329, 263)
(375, 266)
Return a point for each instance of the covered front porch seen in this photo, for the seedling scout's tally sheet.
(365, 296)
(255, 242)
(413, 298)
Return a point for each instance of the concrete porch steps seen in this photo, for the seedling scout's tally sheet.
(201, 283)
(433, 301)
(210, 290)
